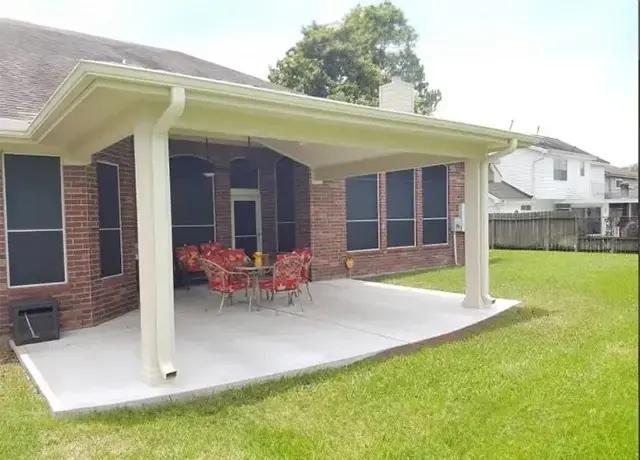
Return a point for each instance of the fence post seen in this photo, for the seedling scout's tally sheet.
(547, 237)
(576, 232)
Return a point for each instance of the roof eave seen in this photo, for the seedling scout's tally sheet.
(86, 72)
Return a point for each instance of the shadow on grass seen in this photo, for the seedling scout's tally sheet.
(218, 404)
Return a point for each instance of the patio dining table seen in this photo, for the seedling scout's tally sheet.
(255, 272)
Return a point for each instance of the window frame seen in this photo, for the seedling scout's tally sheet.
(415, 212)
(565, 170)
(278, 222)
(446, 218)
(525, 207)
(347, 220)
(100, 229)
(7, 231)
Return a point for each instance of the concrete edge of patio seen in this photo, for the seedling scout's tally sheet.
(58, 408)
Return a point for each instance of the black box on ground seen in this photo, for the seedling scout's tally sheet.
(35, 320)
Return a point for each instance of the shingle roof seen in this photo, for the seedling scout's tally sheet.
(557, 144)
(614, 171)
(34, 60)
(506, 191)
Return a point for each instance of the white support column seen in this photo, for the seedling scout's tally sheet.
(484, 233)
(143, 151)
(154, 253)
(476, 235)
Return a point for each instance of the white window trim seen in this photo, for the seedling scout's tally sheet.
(213, 195)
(446, 218)
(63, 229)
(100, 229)
(355, 251)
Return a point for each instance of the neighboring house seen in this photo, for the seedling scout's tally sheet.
(504, 197)
(114, 154)
(558, 176)
(621, 194)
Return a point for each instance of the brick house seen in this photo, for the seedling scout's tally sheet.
(96, 133)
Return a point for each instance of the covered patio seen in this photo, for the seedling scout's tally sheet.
(349, 320)
(170, 347)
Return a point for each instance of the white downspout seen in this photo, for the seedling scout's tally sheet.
(533, 174)
(165, 318)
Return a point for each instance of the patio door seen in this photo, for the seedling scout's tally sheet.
(246, 220)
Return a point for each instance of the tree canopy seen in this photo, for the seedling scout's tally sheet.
(349, 60)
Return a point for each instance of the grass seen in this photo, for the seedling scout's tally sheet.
(557, 379)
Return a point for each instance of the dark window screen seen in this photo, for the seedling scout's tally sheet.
(285, 190)
(434, 205)
(243, 174)
(362, 212)
(286, 203)
(401, 208)
(108, 195)
(400, 194)
(109, 219)
(110, 253)
(35, 236)
(362, 197)
(36, 257)
(34, 190)
(362, 235)
(434, 191)
(286, 237)
(192, 200)
(434, 231)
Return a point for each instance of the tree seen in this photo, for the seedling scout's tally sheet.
(349, 60)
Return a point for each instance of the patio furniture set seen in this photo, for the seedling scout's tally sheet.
(231, 270)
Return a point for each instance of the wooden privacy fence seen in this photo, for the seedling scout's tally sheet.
(554, 231)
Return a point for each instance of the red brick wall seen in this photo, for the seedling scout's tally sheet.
(329, 235)
(113, 296)
(86, 299)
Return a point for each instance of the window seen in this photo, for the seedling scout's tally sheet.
(401, 222)
(619, 183)
(435, 205)
(525, 207)
(109, 221)
(582, 169)
(562, 206)
(286, 204)
(362, 212)
(34, 220)
(559, 169)
(192, 200)
(243, 174)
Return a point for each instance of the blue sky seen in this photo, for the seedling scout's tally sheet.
(570, 67)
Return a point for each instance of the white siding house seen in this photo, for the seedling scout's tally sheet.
(556, 175)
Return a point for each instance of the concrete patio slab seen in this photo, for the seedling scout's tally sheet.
(99, 368)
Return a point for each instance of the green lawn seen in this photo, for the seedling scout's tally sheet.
(557, 379)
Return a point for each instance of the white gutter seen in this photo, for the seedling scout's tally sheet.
(513, 145)
(165, 315)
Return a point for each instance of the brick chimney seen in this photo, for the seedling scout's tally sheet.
(397, 95)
